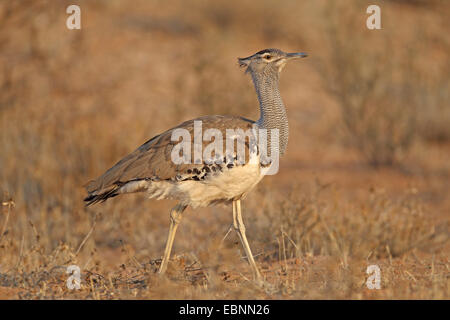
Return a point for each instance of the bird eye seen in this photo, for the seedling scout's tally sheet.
(268, 57)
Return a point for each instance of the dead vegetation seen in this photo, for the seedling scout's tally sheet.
(385, 95)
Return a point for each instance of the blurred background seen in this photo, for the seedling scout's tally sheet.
(366, 175)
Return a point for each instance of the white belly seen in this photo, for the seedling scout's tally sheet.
(226, 186)
(218, 187)
(222, 187)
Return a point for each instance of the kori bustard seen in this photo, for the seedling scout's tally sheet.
(202, 183)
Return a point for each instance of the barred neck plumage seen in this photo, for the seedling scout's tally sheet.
(272, 111)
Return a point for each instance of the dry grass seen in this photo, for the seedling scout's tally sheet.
(383, 92)
(73, 102)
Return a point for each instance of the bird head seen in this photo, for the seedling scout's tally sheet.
(268, 60)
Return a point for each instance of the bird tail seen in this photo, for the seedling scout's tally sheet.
(94, 197)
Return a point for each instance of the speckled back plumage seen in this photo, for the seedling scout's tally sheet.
(151, 162)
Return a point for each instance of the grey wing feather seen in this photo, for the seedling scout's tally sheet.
(151, 161)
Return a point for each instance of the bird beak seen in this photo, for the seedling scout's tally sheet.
(244, 62)
(296, 55)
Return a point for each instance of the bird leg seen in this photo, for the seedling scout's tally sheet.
(238, 225)
(175, 218)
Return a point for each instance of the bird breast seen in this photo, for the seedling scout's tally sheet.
(222, 186)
